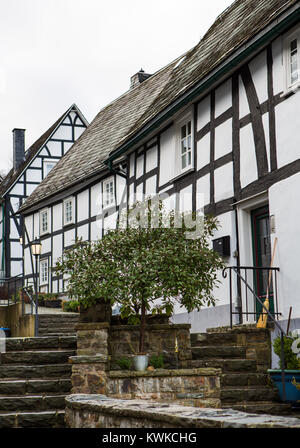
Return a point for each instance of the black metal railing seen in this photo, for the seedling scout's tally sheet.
(10, 288)
(248, 299)
(256, 299)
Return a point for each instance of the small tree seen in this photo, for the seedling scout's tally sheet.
(146, 268)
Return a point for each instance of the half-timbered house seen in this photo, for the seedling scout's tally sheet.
(216, 129)
(30, 167)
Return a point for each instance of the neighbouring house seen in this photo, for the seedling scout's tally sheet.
(30, 167)
(219, 129)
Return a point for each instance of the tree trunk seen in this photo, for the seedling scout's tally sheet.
(142, 328)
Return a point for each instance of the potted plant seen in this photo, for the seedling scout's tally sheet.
(71, 306)
(292, 368)
(51, 300)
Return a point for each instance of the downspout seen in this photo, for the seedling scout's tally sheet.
(238, 280)
(119, 173)
(3, 239)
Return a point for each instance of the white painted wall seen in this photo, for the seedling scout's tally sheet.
(278, 72)
(203, 115)
(258, 70)
(223, 97)
(57, 217)
(287, 218)
(223, 139)
(167, 156)
(151, 159)
(287, 130)
(96, 199)
(224, 182)
(247, 156)
(203, 151)
(82, 205)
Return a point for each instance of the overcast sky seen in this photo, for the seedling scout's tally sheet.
(54, 53)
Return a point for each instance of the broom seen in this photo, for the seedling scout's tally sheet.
(263, 318)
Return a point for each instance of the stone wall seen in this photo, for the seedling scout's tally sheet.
(96, 411)
(196, 387)
(257, 342)
(159, 339)
(92, 338)
(20, 326)
(89, 374)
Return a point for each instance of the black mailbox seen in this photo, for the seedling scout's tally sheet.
(222, 246)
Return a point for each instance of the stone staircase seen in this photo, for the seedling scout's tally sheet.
(34, 380)
(244, 355)
(35, 375)
(57, 324)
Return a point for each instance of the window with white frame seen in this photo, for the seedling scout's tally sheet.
(44, 271)
(108, 192)
(44, 221)
(184, 144)
(292, 59)
(48, 165)
(68, 211)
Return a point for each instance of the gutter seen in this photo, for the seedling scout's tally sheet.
(290, 18)
(3, 238)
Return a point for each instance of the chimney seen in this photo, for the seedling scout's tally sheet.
(138, 78)
(18, 147)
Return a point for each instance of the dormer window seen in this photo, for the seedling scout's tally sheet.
(108, 192)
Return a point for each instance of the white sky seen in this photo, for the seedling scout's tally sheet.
(54, 53)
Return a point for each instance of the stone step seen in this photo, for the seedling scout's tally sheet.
(57, 326)
(37, 357)
(245, 379)
(50, 334)
(57, 316)
(37, 371)
(248, 394)
(32, 403)
(23, 387)
(263, 407)
(218, 352)
(50, 331)
(227, 365)
(205, 339)
(39, 343)
(44, 419)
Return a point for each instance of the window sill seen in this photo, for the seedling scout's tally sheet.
(67, 224)
(290, 91)
(184, 173)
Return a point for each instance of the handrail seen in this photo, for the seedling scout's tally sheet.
(32, 302)
(283, 334)
(235, 268)
(11, 281)
(35, 304)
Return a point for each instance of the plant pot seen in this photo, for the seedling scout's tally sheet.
(52, 303)
(291, 391)
(140, 362)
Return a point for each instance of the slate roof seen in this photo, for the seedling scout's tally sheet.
(31, 152)
(118, 122)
